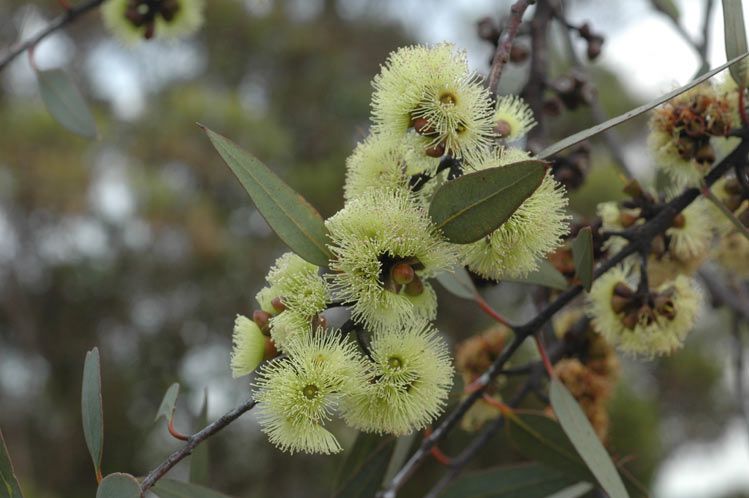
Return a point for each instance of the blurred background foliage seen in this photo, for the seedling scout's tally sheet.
(144, 244)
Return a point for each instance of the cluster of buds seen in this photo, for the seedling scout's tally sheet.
(423, 127)
(570, 92)
(401, 274)
(143, 13)
(593, 39)
(634, 307)
(591, 390)
(490, 32)
(570, 169)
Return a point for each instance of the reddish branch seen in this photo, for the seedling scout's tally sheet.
(502, 54)
(70, 15)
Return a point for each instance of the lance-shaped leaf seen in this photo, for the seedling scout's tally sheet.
(293, 219)
(169, 488)
(363, 471)
(65, 103)
(476, 204)
(118, 485)
(526, 481)
(735, 39)
(168, 403)
(725, 211)
(595, 130)
(9, 487)
(586, 442)
(91, 409)
(199, 460)
(458, 282)
(546, 275)
(542, 439)
(582, 255)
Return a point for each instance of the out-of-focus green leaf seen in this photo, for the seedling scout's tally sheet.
(293, 219)
(586, 442)
(118, 485)
(65, 103)
(476, 204)
(522, 481)
(546, 276)
(166, 409)
(540, 438)
(458, 282)
(91, 408)
(735, 39)
(595, 130)
(725, 211)
(582, 255)
(668, 7)
(574, 491)
(9, 487)
(199, 460)
(363, 471)
(400, 453)
(169, 488)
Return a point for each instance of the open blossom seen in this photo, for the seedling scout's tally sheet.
(431, 90)
(248, 346)
(411, 376)
(513, 118)
(131, 20)
(385, 248)
(534, 229)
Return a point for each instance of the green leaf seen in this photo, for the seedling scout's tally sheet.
(595, 130)
(166, 409)
(476, 204)
(9, 487)
(735, 39)
(574, 491)
(65, 103)
(546, 275)
(199, 460)
(583, 437)
(582, 255)
(118, 485)
(667, 7)
(522, 481)
(458, 282)
(400, 453)
(295, 221)
(169, 488)
(542, 439)
(363, 471)
(91, 409)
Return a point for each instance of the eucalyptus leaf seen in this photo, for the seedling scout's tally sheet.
(522, 481)
(542, 439)
(170, 488)
(166, 409)
(458, 282)
(595, 130)
(65, 103)
(546, 275)
(293, 219)
(586, 442)
(362, 472)
(476, 204)
(735, 39)
(582, 255)
(9, 487)
(118, 485)
(91, 408)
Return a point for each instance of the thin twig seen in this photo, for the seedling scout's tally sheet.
(504, 46)
(738, 302)
(193, 441)
(60, 21)
(739, 367)
(645, 233)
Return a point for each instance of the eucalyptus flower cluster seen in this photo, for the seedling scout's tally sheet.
(387, 369)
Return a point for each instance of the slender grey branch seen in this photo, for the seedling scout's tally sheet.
(644, 234)
(502, 54)
(193, 441)
(738, 302)
(60, 21)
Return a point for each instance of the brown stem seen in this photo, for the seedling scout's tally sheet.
(60, 21)
(504, 46)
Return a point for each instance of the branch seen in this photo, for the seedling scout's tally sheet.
(738, 302)
(192, 442)
(59, 22)
(502, 54)
(643, 235)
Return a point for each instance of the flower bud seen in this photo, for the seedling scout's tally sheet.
(262, 319)
(278, 304)
(402, 273)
